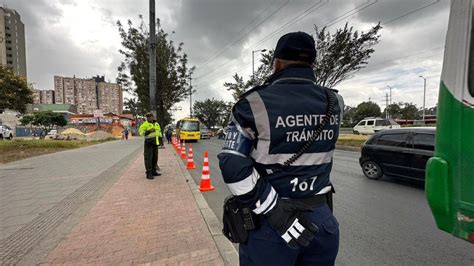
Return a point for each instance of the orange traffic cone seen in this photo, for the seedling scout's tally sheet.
(176, 146)
(190, 164)
(205, 177)
(183, 151)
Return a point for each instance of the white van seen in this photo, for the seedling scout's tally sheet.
(370, 125)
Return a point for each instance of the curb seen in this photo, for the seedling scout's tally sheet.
(227, 250)
(348, 148)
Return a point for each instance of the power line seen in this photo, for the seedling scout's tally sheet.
(260, 23)
(411, 12)
(238, 33)
(292, 21)
(345, 15)
(356, 9)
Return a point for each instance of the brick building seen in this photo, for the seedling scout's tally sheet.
(88, 94)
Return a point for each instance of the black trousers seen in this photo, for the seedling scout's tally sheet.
(151, 157)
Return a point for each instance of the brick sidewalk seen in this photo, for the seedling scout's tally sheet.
(154, 222)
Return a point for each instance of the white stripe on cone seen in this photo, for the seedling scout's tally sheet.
(205, 168)
(205, 177)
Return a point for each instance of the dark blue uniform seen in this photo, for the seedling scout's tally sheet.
(269, 124)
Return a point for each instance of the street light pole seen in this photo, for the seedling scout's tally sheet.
(253, 61)
(152, 53)
(390, 94)
(190, 97)
(424, 97)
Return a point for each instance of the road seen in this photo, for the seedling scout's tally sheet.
(381, 222)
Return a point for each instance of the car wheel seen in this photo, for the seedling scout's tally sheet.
(11, 136)
(372, 170)
(356, 132)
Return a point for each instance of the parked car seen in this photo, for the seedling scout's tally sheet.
(370, 125)
(205, 134)
(6, 132)
(398, 152)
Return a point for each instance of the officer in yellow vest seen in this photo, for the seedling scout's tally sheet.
(151, 130)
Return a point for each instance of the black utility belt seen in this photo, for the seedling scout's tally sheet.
(314, 201)
(238, 221)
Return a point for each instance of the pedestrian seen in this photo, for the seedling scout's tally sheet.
(126, 132)
(272, 167)
(169, 134)
(151, 131)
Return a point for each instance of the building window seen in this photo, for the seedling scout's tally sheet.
(9, 62)
(9, 48)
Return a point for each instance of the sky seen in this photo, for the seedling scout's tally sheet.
(80, 37)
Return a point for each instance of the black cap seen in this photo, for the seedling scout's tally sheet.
(296, 46)
(149, 114)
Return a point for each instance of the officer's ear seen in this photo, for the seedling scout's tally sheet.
(278, 65)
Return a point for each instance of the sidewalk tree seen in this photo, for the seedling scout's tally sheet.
(45, 120)
(366, 109)
(343, 53)
(172, 71)
(14, 91)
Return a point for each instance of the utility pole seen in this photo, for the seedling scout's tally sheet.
(424, 97)
(190, 97)
(152, 53)
(387, 115)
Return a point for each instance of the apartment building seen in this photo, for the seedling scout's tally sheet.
(43, 97)
(12, 41)
(88, 94)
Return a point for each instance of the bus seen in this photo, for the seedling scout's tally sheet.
(449, 181)
(188, 129)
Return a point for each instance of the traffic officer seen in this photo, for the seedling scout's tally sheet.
(151, 130)
(269, 124)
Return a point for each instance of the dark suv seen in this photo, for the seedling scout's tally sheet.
(398, 152)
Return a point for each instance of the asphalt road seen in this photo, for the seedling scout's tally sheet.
(381, 222)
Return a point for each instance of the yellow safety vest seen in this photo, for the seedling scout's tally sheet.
(147, 126)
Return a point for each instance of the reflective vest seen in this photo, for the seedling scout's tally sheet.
(269, 124)
(147, 126)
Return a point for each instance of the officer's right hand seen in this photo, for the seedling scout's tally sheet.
(288, 220)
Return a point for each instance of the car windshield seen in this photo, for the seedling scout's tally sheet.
(190, 126)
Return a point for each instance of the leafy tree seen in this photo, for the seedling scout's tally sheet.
(366, 109)
(343, 53)
(172, 71)
(394, 110)
(349, 116)
(132, 106)
(211, 112)
(409, 111)
(339, 56)
(46, 120)
(14, 91)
